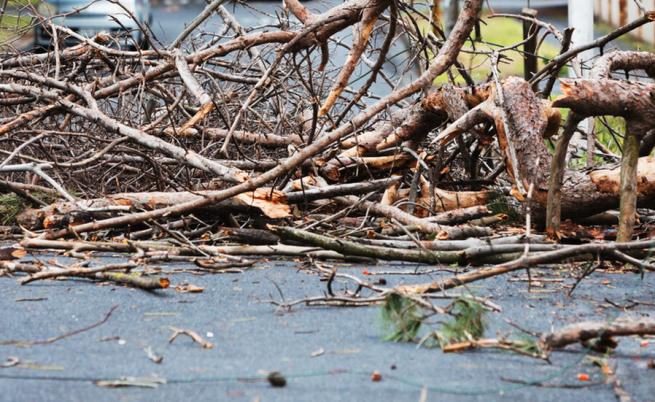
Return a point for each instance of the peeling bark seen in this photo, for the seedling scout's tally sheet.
(529, 119)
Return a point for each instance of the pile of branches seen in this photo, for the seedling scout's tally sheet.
(248, 141)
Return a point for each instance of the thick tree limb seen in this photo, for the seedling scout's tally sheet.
(604, 249)
(588, 330)
(634, 101)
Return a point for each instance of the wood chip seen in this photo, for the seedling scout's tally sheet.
(141, 382)
(153, 356)
(188, 288)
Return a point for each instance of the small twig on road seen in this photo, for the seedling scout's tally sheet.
(549, 385)
(62, 336)
(78, 272)
(193, 335)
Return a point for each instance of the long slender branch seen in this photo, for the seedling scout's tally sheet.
(442, 61)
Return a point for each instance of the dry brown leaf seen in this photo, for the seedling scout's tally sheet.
(123, 201)
(583, 377)
(11, 253)
(271, 203)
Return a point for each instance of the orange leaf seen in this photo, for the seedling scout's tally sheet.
(18, 253)
(514, 192)
(48, 222)
(123, 202)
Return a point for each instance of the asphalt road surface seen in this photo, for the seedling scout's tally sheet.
(326, 353)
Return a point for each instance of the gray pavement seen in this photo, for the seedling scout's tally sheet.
(251, 336)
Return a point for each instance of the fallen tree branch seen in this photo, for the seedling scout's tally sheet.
(442, 61)
(586, 331)
(78, 272)
(62, 336)
(191, 334)
(595, 249)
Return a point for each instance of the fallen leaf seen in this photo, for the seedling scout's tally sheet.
(606, 370)
(583, 377)
(272, 203)
(11, 253)
(124, 202)
(603, 363)
(517, 194)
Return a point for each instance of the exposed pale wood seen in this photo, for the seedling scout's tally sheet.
(585, 331)
(423, 225)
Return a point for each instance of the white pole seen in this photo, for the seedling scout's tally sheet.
(581, 18)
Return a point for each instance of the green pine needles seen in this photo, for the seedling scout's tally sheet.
(468, 323)
(403, 318)
(10, 206)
